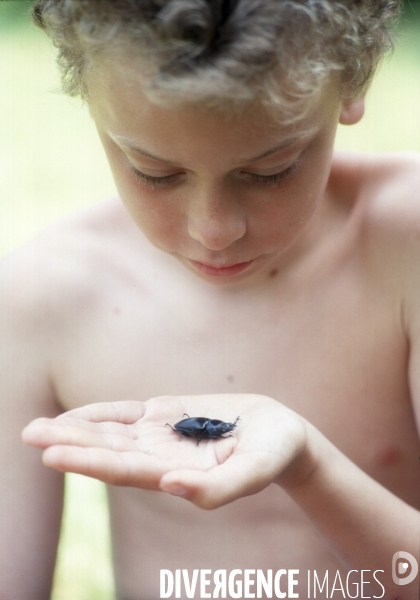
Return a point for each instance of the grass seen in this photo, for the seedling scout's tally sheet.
(52, 163)
(84, 569)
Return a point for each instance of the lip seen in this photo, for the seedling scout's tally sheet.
(224, 271)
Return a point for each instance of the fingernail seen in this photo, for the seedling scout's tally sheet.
(175, 489)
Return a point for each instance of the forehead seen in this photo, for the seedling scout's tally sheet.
(121, 106)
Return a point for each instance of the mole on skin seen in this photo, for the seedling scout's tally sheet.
(389, 457)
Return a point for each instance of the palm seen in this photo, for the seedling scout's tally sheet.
(128, 443)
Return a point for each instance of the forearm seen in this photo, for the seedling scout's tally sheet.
(363, 522)
(30, 514)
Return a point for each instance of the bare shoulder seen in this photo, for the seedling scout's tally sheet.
(390, 196)
(386, 185)
(383, 196)
(382, 191)
(62, 270)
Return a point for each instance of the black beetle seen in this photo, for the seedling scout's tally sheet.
(203, 428)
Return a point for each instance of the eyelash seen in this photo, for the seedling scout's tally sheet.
(153, 181)
(272, 180)
(264, 180)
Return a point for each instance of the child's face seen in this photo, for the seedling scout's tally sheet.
(228, 195)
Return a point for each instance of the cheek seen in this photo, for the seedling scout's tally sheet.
(306, 194)
(292, 205)
(152, 212)
(288, 211)
(157, 218)
(147, 209)
(149, 212)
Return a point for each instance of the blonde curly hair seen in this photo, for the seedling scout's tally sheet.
(280, 52)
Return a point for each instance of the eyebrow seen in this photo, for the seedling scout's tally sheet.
(306, 133)
(275, 149)
(132, 145)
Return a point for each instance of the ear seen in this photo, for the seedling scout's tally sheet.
(352, 111)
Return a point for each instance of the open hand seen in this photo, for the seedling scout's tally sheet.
(128, 443)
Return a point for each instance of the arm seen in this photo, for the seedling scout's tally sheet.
(363, 522)
(127, 443)
(31, 495)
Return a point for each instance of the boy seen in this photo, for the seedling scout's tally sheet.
(247, 273)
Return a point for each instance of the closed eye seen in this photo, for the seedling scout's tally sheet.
(152, 181)
(265, 180)
(271, 180)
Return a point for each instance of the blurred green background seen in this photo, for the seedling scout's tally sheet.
(51, 163)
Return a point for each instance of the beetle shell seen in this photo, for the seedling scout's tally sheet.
(203, 428)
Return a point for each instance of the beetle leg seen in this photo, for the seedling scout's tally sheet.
(185, 415)
(201, 437)
(170, 426)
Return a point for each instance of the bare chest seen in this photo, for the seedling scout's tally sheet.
(336, 356)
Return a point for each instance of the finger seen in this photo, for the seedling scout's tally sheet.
(77, 432)
(241, 475)
(116, 468)
(125, 411)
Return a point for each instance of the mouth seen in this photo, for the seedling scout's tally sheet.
(225, 271)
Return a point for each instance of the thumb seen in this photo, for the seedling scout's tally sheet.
(237, 477)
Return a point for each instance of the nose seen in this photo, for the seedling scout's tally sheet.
(216, 220)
